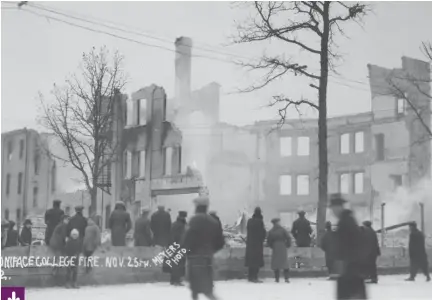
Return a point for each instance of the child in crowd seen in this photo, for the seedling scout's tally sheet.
(72, 250)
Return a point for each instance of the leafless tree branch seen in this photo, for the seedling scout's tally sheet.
(80, 117)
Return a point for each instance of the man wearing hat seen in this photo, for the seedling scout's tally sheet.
(302, 230)
(178, 230)
(52, 219)
(161, 226)
(26, 233)
(417, 253)
(142, 232)
(77, 222)
(119, 223)
(373, 251)
(328, 245)
(350, 252)
(203, 239)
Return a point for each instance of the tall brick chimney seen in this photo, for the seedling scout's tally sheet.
(183, 66)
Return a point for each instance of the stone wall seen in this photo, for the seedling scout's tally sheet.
(229, 264)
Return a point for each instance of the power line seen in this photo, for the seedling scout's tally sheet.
(139, 33)
(117, 36)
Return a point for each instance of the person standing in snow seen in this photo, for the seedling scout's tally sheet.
(302, 230)
(161, 226)
(373, 251)
(143, 236)
(53, 217)
(73, 250)
(92, 240)
(78, 222)
(178, 231)
(417, 253)
(328, 246)
(12, 235)
(279, 240)
(26, 233)
(256, 234)
(119, 223)
(203, 239)
(350, 252)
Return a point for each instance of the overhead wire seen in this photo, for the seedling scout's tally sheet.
(146, 35)
(85, 19)
(127, 31)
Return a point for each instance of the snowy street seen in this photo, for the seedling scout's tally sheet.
(389, 288)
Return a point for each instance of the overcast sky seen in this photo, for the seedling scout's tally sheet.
(36, 52)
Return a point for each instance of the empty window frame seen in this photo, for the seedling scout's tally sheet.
(400, 106)
(285, 146)
(142, 111)
(345, 143)
(344, 183)
(303, 146)
(285, 185)
(127, 164)
(359, 142)
(303, 185)
(358, 182)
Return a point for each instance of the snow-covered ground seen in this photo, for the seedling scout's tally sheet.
(389, 288)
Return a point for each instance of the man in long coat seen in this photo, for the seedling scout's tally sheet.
(279, 240)
(161, 226)
(417, 253)
(178, 231)
(203, 239)
(302, 230)
(256, 234)
(328, 245)
(78, 222)
(373, 251)
(143, 236)
(350, 252)
(119, 223)
(52, 219)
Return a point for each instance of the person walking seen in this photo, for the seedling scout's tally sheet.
(203, 239)
(161, 226)
(279, 240)
(53, 217)
(256, 234)
(302, 230)
(417, 253)
(373, 251)
(178, 230)
(143, 236)
(119, 223)
(350, 252)
(92, 240)
(328, 246)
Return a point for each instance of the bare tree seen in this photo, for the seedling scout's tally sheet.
(80, 117)
(297, 25)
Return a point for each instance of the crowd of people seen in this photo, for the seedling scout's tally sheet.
(351, 251)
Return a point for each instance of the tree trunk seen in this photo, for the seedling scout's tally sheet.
(322, 126)
(93, 201)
